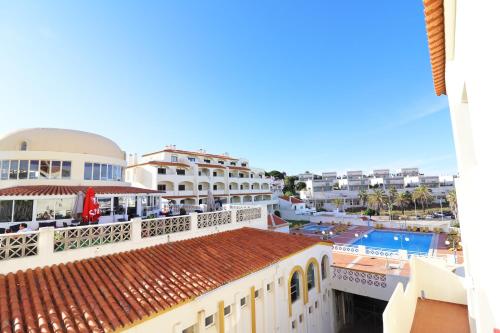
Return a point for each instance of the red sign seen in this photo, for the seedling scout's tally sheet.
(91, 210)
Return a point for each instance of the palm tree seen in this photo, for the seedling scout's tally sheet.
(377, 200)
(363, 197)
(338, 202)
(451, 197)
(403, 200)
(423, 195)
(391, 199)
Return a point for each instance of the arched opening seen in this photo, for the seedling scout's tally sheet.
(245, 186)
(265, 186)
(233, 186)
(310, 277)
(247, 198)
(295, 287)
(219, 186)
(23, 146)
(255, 186)
(324, 267)
(235, 199)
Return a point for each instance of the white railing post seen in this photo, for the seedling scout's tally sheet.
(233, 215)
(403, 254)
(194, 221)
(362, 249)
(46, 243)
(136, 229)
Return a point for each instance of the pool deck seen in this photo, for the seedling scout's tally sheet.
(376, 264)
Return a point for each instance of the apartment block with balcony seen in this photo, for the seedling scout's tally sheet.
(187, 177)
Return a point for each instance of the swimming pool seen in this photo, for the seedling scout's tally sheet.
(316, 227)
(412, 242)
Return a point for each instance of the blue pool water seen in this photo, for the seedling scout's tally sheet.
(315, 227)
(416, 243)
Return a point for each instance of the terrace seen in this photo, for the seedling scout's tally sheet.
(49, 246)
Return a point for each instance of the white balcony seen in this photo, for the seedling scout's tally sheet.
(219, 192)
(185, 192)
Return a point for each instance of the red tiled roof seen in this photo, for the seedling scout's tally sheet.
(291, 199)
(161, 163)
(274, 221)
(39, 190)
(194, 153)
(116, 291)
(434, 23)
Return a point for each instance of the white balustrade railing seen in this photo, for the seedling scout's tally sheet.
(93, 235)
(165, 226)
(18, 245)
(214, 219)
(50, 245)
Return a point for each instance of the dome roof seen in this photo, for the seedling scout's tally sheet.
(61, 140)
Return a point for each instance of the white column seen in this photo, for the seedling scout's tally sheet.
(194, 222)
(136, 229)
(201, 321)
(237, 313)
(46, 244)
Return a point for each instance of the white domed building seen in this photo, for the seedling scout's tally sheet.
(43, 169)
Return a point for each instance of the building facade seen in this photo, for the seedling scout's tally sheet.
(321, 192)
(187, 177)
(43, 169)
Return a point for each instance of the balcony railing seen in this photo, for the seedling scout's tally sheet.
(49, 246)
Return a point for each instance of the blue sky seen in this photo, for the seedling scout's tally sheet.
(296, 85)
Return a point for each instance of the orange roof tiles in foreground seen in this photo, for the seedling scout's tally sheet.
(442, 317)
(434, 23)
(39, 190)
(116, 291)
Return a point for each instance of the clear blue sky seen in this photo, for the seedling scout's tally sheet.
(291, 85)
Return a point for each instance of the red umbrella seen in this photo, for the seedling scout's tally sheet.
(91, 210)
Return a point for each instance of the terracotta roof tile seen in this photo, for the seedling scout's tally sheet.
(291, 199)
(39, 190)
(110, 292)
(274, 221)
(161, 163)
(434, 23)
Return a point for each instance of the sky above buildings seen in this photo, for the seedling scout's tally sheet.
(290, 85)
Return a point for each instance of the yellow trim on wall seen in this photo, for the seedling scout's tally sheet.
(252, 309)
(221, 317)
(304, 287)
(317, 273)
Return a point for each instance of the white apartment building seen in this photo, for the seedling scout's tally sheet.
(465, 67)
(43, 169)
(321, 192)
(186, 177)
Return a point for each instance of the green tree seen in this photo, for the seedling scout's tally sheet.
(339, 203)
(276, 174)
(300, 186)
(377, 199)
(451, 197)
(423, 195)
(392, 194)
(403, 199)
(290, 185)
(363, 197)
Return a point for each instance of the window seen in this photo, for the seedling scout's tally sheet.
(13, 169)
(23, 210)
(227, 310)
(104, 173)
(301, 317)
(182, 187)
(269, 287)
(181, 172)
(23, 169)
(23, 146)
(230, 186)
(188, 330)
(110, 172)
(215, 187)
(257, 293)
(34, 169)
(162, 171)
(45, 210)
(310, 309)
(233, 163)
(209, 321)
(4, 172)
(174, 159)
(324, 267)
(200, 187)
(294, 324)
(5, 210)
(104, 206)
(310, 276)
(243, 301)
(87, 174)
(214, 173)
(66, 170)
(96, 173)
(243, 164)
(295, 287)
(161, 187)
(221, 162)
(55, 170)
(242, 175)
(192, 159)
(316, 304)
(206, 161)
(63, 208)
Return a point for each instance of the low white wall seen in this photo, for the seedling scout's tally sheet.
(399, 312)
